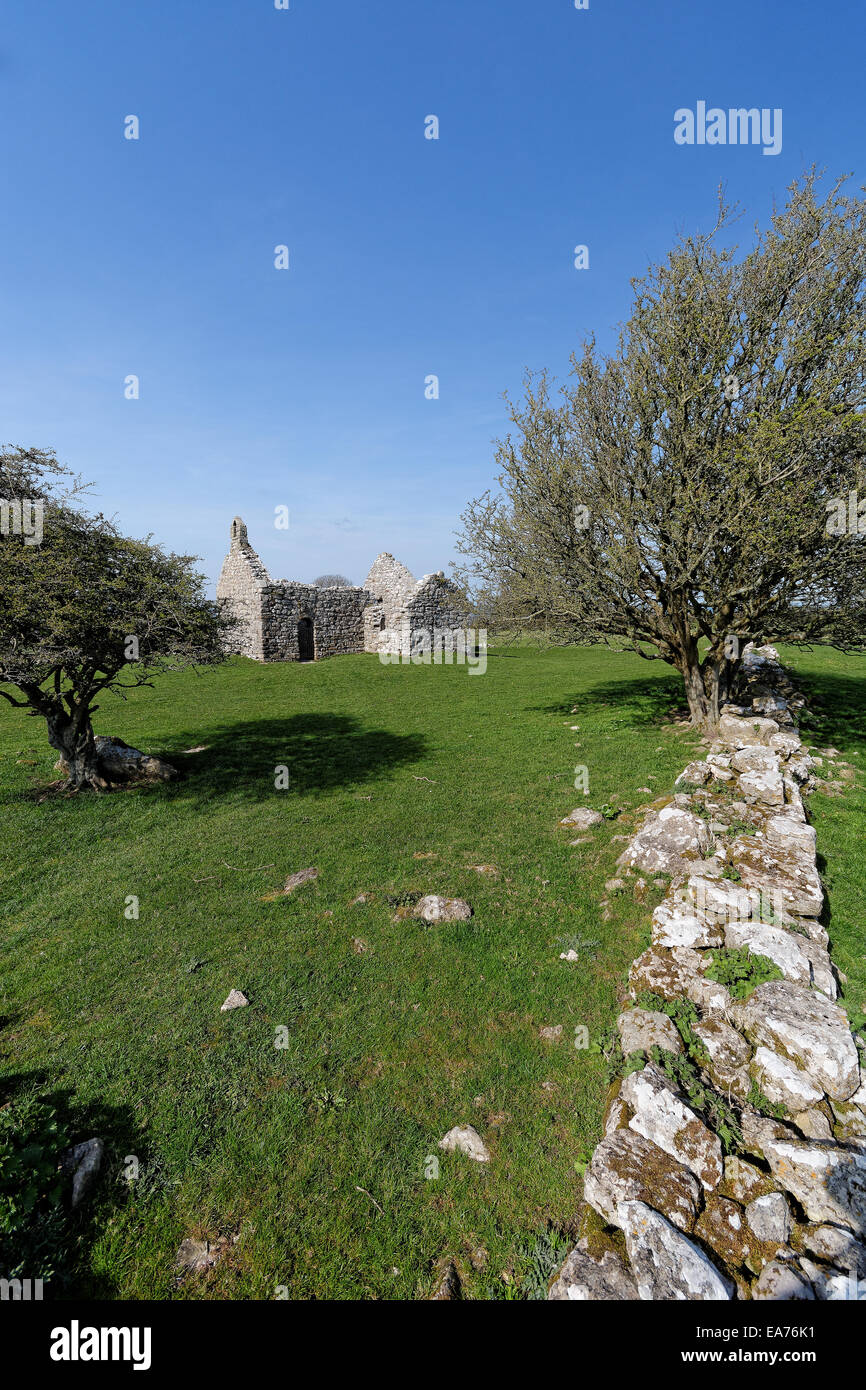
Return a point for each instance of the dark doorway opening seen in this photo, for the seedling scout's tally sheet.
(306, 648)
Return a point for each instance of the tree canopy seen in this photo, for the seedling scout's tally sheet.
(683, 494)
(84, 609)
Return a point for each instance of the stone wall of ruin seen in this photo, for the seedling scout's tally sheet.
(393, 613)
(337, 616)
(242, 582)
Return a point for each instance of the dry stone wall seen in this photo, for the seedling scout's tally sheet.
(733, 1163)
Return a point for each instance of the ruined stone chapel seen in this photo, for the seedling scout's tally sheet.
(285, 620)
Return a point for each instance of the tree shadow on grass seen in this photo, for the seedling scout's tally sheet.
(835, 708)
(320, 752)
(634, 698)
(54, 1241)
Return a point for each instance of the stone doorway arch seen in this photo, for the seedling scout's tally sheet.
(306, 640)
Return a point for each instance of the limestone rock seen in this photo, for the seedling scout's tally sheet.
(436, 909)
(837, 1246)
(723, 1227)
(677, 972)
(84, 1162)
(798, 959)
(742, 733)
(586, 1278)
(582, 818)
(641, 1029)
(296, 880)
(786, 874)
(783, 1083)
(662, 1117)
(447, 1287)
(195, 1256)
(832, 1285)
(813, 1123)
(718, 901)
(753, 759)
(806, 1028)
(827, 1180)
(743, 1180)
(120, 763)
(465, 1140)
(667, 842)
(786, 744)
(728, 1053)
(674, 925)
(627, 1167)
(850, 1120)
(666, 1264)
(791, 834)
(236, 1000)
(758, 1131)
(767, 787)
(769, 1218)
(696, 774)
(781, 1282)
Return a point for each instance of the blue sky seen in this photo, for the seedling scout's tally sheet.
(408, 256)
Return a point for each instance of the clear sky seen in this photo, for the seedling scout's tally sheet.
(408, 257)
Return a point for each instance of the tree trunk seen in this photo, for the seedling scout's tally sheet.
(708, 688)
(72, 736)
(700, 707)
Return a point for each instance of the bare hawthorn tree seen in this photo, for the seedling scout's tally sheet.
(328, 581)
(674, 496)
(85, 610)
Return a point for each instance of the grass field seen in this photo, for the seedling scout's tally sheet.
(401, 779)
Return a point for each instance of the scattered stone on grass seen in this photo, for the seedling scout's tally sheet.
(436, 909)
(551, 1033)
(466, 1140)
(83, 1161)
(302, 876)
(582, 818)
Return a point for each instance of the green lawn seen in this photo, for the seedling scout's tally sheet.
(315, 1153)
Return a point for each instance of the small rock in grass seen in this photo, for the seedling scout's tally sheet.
(302, 876)
(466, 1140)
(436, 909)
(582, 817)
(447, 1285)
(194, 1256)
(83, 1161)
(552, 1033)
(236, 1000)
